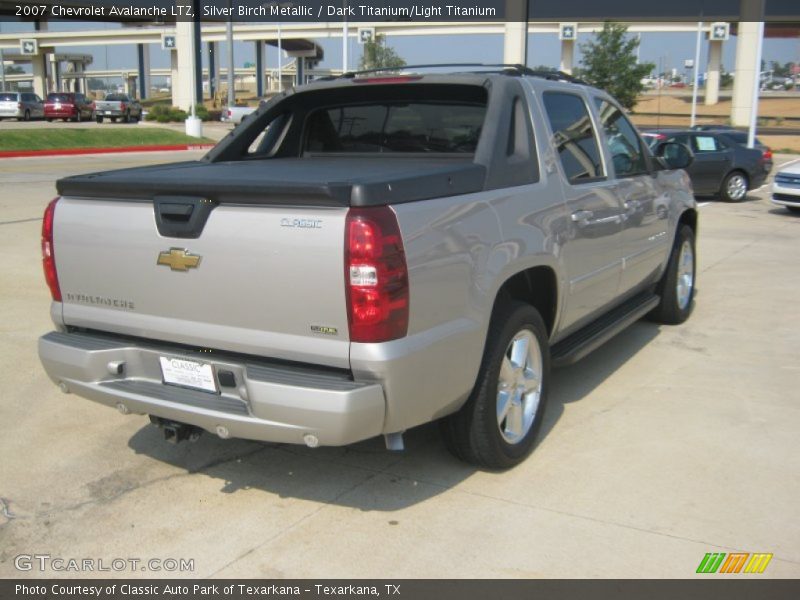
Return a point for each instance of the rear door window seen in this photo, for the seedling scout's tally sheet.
(706, 143)
(574, 137)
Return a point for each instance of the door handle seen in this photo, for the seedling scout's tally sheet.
(582, 216)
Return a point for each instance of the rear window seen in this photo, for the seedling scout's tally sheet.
(8, 97)
(448, 127)
(116, 98)
(59, 98)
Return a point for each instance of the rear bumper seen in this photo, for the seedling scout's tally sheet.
(62, 113)
(15, 113)
(268, 402)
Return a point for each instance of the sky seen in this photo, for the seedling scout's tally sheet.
(667, 49)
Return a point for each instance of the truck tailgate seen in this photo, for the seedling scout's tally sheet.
(269, 280)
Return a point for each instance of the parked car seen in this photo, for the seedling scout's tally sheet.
(741, 138)
(786, 187)
(237, 114)
(22, 106)
(67, 106)
(721, 166)
(118, 106)
(367, 254)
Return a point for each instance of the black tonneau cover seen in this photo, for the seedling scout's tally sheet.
(322, 181)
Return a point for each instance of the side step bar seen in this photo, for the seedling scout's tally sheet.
(573, 348)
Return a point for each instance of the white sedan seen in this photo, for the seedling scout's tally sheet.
(786, 186)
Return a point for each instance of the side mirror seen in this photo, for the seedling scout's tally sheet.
(674, 155)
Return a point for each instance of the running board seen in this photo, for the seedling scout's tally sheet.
(574, 347)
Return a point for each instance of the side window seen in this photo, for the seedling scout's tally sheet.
(706, 143)
(624, 145)
(574, 137)
(681, 138)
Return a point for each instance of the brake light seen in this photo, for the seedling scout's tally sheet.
(767, 155)
(19, 104)
(376, 276)
(395, 79)
(48, 251)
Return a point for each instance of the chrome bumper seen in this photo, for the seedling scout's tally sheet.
(268, 401)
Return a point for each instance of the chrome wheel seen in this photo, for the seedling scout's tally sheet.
(737, 187)
(519, 387)
(685, 278)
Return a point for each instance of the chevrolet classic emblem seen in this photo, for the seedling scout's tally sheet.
(178, 259)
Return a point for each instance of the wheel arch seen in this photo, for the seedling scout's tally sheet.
(537, 286)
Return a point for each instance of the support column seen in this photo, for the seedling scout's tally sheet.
(567, 56)
(185, 79)
(143, 53)
(259, 48)
(39, 72)
(300, 71)
(713, 71)
(515, 42)
(213, 68)
(55, 74)
(747, 73)
(173, 76)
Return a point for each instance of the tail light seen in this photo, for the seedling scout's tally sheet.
(376, 276)
(48, 251)
(122, 106)
(767, 155)
(19, 104)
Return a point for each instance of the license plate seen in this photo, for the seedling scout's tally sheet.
(109, 112)
(58, 105)
(188, 373)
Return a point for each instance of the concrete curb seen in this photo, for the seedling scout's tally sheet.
(120, 149)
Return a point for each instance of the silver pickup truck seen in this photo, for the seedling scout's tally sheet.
(368, 254)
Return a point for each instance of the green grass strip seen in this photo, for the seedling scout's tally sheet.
(113, 137)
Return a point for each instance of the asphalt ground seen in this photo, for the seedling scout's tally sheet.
(666, 444)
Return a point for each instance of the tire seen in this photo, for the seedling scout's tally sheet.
(79, 116)
(793, 209)
(677, 285)
(478, 434)
(113, 119)
(27, 116)
(49, 120)
(127, 117)
(99, 119)
(734, 187)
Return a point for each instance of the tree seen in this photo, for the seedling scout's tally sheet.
(377, 55)
(609, 62)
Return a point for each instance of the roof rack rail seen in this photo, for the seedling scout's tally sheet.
(510, 69)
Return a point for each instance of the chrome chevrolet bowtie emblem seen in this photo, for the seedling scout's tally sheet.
(178, 259)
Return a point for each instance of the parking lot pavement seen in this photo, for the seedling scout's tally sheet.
(668, 443)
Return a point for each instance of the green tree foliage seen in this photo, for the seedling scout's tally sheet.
(377, 55)
(609, 62)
